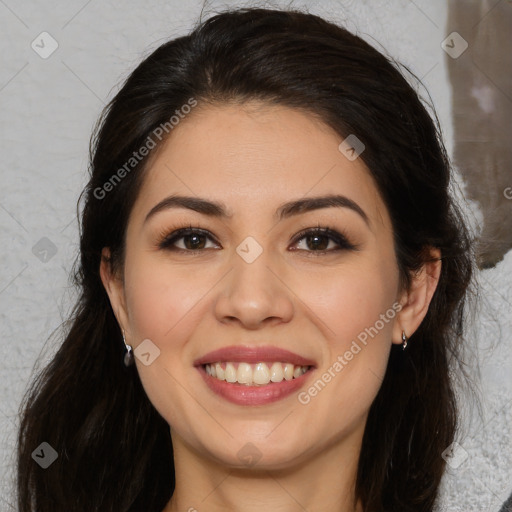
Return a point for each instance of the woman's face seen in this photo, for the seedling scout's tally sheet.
(248, 284)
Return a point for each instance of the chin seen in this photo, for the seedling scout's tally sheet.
(258, 454)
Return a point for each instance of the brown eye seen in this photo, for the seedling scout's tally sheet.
(318, 240)
(193, 240)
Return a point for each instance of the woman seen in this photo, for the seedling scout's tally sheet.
(267, 234)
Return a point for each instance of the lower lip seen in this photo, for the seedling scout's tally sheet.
(242, 394)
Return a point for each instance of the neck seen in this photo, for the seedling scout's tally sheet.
(325, 482)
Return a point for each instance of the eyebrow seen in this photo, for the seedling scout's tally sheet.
(296, 207)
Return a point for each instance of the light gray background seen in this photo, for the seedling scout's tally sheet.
(48, 108)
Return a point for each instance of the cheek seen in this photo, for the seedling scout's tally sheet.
(353, 303)
(355, 309)
(161, 299)
(164, 305)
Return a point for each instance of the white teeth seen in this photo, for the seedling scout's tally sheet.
(244, 373)
(219, 371)
(297, 372)
(261, 374)
(288, 371)
(254, 375)
(230, 373)
(276, 372)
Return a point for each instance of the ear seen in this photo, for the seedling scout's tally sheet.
(114, 287)
(416, 300)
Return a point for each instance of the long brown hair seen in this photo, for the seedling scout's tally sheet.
(114, 449)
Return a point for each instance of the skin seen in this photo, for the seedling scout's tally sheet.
(253, 159)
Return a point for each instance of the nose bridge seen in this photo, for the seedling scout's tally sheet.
(252, 291)
(251, 267)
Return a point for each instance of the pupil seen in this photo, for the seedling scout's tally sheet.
(195, 240)
(316, 237)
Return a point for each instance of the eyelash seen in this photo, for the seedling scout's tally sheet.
(166, 240)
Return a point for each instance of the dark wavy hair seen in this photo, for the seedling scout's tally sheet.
(114, 449)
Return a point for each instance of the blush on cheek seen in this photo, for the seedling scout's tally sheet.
(158, 300)
(352, 310)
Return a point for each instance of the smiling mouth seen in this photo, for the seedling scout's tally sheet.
(258, 374)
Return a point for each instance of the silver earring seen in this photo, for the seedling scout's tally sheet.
(404, 340)
(128, 357)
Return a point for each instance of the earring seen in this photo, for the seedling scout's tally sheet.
(128, 357)
(404, 340)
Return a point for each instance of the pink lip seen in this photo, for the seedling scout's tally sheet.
(242, 394)
(240, 354)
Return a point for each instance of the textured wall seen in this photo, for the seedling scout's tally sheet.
(481, 78)
(49, 102)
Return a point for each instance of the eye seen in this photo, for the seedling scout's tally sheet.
(194, 239)
(320, 238)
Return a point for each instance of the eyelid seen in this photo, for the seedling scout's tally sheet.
(165, 238)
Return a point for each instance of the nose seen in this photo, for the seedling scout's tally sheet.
(254, 294)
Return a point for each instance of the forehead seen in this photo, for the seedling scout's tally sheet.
(253, 157)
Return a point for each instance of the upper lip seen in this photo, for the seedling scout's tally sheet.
(248, 354)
